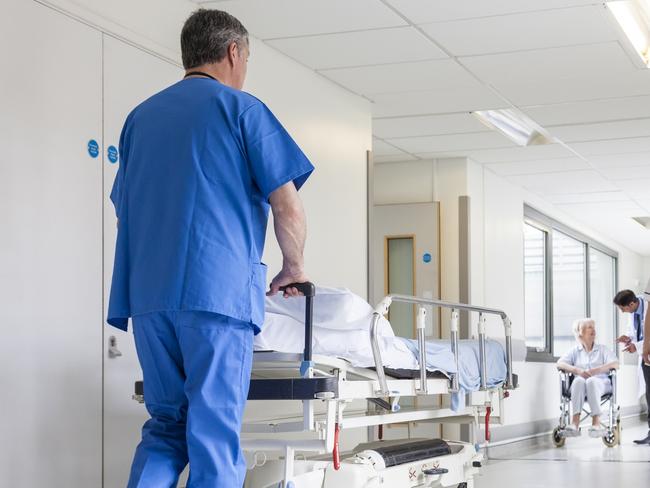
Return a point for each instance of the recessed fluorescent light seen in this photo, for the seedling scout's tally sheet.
(633, 18)
(644, 221)
(515, 126)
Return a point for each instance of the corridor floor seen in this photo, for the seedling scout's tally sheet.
(582, 461)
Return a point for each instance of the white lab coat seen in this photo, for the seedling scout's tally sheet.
(639, 345)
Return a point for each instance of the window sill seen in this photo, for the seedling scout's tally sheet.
(534, 356)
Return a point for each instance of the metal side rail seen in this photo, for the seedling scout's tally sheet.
(382, 310)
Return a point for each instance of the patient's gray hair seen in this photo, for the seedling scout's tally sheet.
(579, 324)
(206, 36)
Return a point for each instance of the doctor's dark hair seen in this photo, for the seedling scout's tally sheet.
(206, 36)
(624, 298)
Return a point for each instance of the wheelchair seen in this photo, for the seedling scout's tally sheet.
(612, 435)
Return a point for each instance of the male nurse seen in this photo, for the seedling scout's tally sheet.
(202, 162)
(637, 306)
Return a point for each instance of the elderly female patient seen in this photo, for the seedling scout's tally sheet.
(589, 363)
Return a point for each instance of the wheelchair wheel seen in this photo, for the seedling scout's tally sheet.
(613, 438)
(558, 440)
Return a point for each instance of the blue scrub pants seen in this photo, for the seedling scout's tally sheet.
(196, 370)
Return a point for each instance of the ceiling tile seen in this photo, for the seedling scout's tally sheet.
(613, 146)
(361, 48)
(608, 196)
(564, 182)
(420, 12)
(622, 172)
(393, 158)
(617, 209)
(601, 131)
(288, 18)
(444, 75)
(618, 228)
(637, 188)
(590, 111)
(505, 154)
(644, 203)
(517, 154)
(628, 208)
(543, 166)
(563, 74)
(426, 125)
(443, 100)
(451, 142)
(620, 160)
(489, 35)
(382, 148)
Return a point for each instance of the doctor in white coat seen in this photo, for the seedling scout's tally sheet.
(637, 306)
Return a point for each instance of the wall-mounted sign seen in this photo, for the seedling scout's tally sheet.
(112, 154)
(93, 148)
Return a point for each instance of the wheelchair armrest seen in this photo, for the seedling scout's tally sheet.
(612, 372)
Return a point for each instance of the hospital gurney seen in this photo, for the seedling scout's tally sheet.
(335, 383)
(326, 385)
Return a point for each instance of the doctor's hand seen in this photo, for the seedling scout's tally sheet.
(624, 339)
(285, 277)
(630, 347)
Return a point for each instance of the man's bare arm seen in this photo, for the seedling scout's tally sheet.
(290, 227)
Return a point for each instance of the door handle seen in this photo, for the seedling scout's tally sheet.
(113, 351)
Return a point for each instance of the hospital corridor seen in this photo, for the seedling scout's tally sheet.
(324, 243)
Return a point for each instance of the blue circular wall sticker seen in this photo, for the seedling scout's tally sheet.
(426, 258)
(112, 154)
(93, 148)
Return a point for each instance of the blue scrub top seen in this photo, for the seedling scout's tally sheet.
(198, 162)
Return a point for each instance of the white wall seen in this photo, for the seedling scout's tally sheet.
(442, 180)
(151, 24)
(332, 126)
(497, 275)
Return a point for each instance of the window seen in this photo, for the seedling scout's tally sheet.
(567, 276)
(400, 278)
(602, 274)
(535, 286)
(569, 289)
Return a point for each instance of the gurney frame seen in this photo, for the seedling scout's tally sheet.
(335, 383)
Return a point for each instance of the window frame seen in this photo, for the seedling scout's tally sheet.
(547, 224)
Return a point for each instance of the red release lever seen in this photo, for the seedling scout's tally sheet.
(488, 411)
(335, 453)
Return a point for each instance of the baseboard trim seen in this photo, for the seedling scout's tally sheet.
(507, 434)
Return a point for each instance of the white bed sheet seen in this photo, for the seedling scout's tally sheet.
(341, 328)
(342, 323)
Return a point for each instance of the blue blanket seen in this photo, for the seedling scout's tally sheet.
(440, 357)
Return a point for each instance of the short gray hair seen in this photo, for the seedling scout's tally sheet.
(206, 36)
(578, 324)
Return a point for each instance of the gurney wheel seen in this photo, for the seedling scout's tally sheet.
(558, 440)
